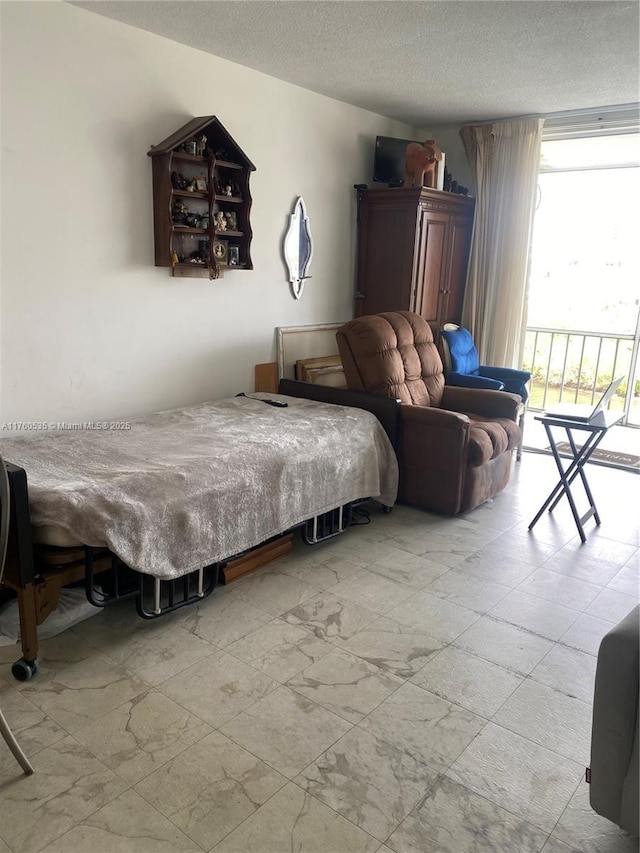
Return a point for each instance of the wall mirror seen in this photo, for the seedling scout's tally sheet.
(298, 248)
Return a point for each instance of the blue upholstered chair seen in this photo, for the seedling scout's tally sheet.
(462, 367)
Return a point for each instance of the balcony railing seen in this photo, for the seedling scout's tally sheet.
(577, 366)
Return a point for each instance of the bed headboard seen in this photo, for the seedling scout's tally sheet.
(386, 409)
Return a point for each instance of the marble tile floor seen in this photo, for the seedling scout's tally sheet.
(418, 685)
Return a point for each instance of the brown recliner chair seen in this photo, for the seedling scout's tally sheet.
(455, 444)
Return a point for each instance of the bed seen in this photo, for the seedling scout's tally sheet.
(176, 495)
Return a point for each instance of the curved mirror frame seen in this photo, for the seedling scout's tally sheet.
(298, 247)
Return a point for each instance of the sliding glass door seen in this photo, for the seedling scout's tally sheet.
(583, 324)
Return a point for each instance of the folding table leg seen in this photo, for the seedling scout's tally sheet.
(563, 486)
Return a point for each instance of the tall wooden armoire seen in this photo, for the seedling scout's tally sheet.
(413, 252)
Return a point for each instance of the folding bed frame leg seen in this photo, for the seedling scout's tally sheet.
(27, 666)
(326, 526)
(35, 603)
(156, 597)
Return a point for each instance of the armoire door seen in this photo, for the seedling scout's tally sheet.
(431, 265)
(456, 272)
(387, 239)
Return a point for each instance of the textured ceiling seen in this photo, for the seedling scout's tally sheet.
(424, 62)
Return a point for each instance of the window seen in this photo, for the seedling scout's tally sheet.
(585, 265)
(583, 321)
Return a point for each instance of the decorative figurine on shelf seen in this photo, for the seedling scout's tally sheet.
(421, 164)
(190, 147)
(452, 186)
(192, 220)
(201, 144)
(204, 222)
(232, 221)
(221, 222)
(174, 258)
(227, 190)
(178, 181)
(179, 212)
(203, 250)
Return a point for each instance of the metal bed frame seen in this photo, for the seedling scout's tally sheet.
(37, 573)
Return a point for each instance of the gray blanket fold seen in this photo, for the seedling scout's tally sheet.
(185, 488)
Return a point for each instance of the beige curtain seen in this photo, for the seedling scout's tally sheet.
(505, 157)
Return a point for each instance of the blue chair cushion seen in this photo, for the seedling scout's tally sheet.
(464, 355)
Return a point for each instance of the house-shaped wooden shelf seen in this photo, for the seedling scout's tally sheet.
(201, 201)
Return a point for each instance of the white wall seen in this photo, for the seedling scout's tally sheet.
(90, 328)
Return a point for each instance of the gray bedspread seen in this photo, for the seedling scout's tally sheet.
(185, 488)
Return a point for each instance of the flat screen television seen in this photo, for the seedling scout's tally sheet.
(389, 160)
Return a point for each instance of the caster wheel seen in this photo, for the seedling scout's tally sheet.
(23, 670)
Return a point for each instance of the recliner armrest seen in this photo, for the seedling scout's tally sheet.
(432, 417)
(505, 374)
(386, 409)
(469, 380)
(434, 452)
(514, 381)
(489, 404)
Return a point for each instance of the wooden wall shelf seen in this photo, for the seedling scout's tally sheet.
(218, 163)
